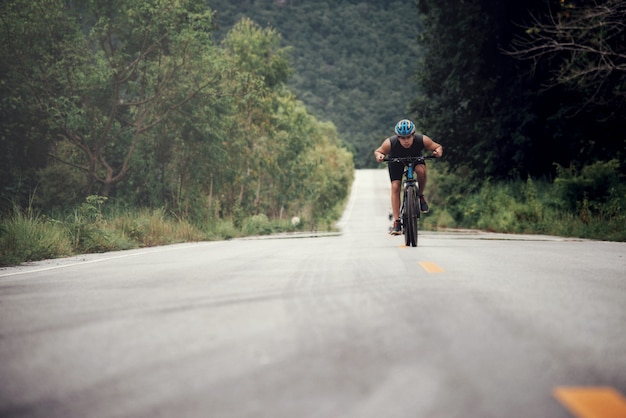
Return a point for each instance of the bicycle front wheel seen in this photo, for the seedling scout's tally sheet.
(411, 207)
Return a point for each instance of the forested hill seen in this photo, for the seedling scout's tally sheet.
(354, 61)
(510, 88)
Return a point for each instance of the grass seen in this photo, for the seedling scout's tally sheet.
(28, 236)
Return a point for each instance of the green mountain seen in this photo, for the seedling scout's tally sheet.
(354, 61)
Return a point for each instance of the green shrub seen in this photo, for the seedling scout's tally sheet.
(26, 236)
(222, 229)
(596, 183)
(438, 219)
(257, 225)
(588, 203)
(149, 227)
(85, 226)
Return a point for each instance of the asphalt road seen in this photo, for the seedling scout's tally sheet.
(354, 325)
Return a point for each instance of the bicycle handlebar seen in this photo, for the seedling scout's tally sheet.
(408, 159)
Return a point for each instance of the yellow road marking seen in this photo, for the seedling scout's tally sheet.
(431, 267)
(592, 402)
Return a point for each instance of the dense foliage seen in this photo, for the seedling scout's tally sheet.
(133, 100)
(583, 203)
(529, 99)
(354, 61)
(511, 88)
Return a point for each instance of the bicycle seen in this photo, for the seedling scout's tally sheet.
(410, 208)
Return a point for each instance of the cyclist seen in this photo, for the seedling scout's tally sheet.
(405, 143)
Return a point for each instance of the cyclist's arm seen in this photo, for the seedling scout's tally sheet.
(433, 147)
(383, 150)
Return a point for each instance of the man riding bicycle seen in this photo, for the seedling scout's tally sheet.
(405, 143)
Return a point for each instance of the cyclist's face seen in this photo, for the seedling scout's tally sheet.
(406, 141)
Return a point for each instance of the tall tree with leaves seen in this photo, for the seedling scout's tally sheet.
(31, 35)
(588, 42)
(469, 100)
(577, 53)
(117, 70)
(258, 67)
(504, 117)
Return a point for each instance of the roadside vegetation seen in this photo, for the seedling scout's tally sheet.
(28, 235)
(125, 124)
(585, 203)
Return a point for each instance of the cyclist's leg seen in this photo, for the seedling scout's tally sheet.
(395, 175)
(395, 198)
(420, 172)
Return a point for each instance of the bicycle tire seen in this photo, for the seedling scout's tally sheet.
(405, 221)
(411, 214)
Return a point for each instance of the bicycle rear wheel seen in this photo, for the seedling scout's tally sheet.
(411, 207)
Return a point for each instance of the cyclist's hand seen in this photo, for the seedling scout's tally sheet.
(438, 152)
(380, 157)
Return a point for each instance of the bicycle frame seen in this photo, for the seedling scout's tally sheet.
(409, 181)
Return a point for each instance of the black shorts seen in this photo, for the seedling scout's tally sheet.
(396, 170)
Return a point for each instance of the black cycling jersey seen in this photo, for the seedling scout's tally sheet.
(397, 150)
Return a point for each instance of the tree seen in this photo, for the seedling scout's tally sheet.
(137, 97)
(353, 60)
(492, 112)
(587, 40)
(470, 98)
(258, 68)
(108, 74)
(30, 32)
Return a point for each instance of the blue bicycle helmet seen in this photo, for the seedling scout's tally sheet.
(405, 127)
